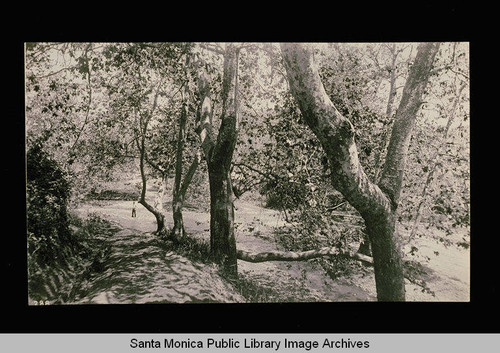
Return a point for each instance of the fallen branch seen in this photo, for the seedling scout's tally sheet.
(285, 255)
(367, 260)
(297, 256)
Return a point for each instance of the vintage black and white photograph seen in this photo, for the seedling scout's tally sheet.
(241, 172)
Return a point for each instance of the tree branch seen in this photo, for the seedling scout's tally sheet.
(285, 255)
(189, 175)
(404, 121)
(298, 256)
(211, 48)
(154, 165)
(334, 131)
(265, 175)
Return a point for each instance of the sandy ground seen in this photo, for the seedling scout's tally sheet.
(448, 273)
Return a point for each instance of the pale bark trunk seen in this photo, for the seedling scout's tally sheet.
(411, 100)
(158, 204)
(365, 246)
(219, 154)
(160, 218)
(336, 135)
(388, 113)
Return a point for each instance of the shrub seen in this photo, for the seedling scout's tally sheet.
(48, 192)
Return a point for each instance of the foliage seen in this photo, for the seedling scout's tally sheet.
(59, 283)
(346, 78)
(48, 192)
(292, 168)
(439, 158)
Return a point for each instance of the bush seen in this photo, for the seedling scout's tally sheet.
(48, 192)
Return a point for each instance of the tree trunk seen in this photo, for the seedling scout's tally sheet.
(365, 246)
(160, 218)
(141, 146)
(222, 239)
(178, 230)
(336, 135)
(388, 113)
(404, 121)
(158, 204)
(219, 153)
(298, 256)
(178, 199)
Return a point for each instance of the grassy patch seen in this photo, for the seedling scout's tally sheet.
(196, 250)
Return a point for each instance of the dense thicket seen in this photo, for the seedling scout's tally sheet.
(48, 192)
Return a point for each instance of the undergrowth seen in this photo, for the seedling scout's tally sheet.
(59, 282)
(196, 250)
(253, 292)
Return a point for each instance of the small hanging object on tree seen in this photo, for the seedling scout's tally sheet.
(133, 210)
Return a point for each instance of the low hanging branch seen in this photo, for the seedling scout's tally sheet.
(285, 255)
(298, 256)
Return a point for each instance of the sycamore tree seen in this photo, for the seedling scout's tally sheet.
(377, 204)
(218, 148)
(294, 170)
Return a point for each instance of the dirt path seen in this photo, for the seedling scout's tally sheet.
(137, 262)
(138, 270)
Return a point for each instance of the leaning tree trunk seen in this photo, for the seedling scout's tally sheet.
(219, 153)
(140, 139)
(159, 216)
(376, 205)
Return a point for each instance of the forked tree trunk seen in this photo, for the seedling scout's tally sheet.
(336, 135)
(219, 153)
(365, 246)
